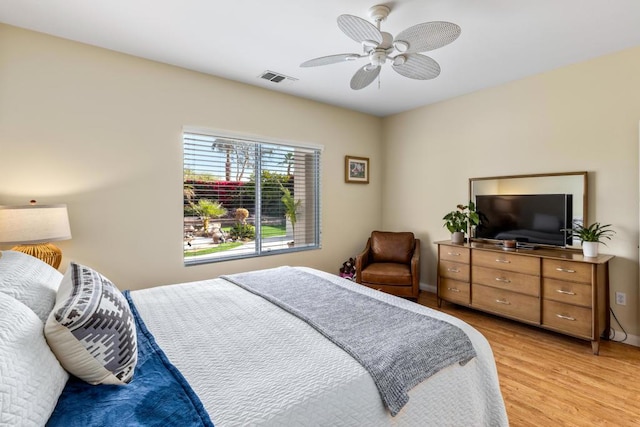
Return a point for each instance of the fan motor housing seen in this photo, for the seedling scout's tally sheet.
(378, 57)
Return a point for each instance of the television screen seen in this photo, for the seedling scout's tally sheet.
(527, 218)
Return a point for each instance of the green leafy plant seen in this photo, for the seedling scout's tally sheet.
(242, 231)
(207, 209)
(595, 232)
(291, 206)
(460, 219)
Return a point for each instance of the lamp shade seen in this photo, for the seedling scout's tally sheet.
(34, 224)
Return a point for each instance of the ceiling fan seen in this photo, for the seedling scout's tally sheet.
(379, 46)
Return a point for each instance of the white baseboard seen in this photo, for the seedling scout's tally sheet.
(428, 288)
(633, 340)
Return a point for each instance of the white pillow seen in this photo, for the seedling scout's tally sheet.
(31, 379)
(29, 280)
(91, 329)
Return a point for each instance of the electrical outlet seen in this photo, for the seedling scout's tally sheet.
(621, 298)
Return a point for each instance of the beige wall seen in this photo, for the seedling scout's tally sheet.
(101, 131)
(581, 117)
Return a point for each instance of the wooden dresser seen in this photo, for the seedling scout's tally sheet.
(556, 289)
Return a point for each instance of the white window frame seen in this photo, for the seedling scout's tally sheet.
(310, 237)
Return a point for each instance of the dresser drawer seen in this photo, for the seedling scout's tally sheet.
(454, 291)
(454, 253)
(567, 318)
(567, 292)
(507, 303)
(509, 280)
(566, 270)
(454, 270)
(506, 261)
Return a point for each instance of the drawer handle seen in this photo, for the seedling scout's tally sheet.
(503, 280)
(454, 289)
(560, 291)
(503, 301)
(565, 270)
(562, 316)
(453, 253)
(453, 270)
(504, 261)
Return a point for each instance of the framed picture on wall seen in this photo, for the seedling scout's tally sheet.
(356, 170)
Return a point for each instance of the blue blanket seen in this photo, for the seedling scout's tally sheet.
(158, 395)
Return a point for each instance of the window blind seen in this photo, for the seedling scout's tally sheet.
(246, 197)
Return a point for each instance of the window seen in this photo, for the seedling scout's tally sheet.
(245, 197)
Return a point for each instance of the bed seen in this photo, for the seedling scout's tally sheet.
(232, 357)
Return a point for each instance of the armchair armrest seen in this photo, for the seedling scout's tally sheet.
(362, 260)
(415, 266)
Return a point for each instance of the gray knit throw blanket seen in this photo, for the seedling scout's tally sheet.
(398, 347)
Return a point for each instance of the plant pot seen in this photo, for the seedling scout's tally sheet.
(590, 249)
(457, 237)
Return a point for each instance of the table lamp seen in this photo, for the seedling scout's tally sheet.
(32, 228)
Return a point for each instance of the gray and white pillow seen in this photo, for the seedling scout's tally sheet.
(29, 280)
(31, 379)
(91, 328)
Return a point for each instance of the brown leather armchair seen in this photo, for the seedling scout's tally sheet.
(390, 263)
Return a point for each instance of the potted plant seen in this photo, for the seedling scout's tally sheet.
(459, 221)
(591, 236)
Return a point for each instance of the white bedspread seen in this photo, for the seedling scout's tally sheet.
(252, 363)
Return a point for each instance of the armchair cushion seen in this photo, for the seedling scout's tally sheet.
(396, 247)
(387, 273)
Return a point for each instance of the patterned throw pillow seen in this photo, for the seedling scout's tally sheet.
(91, 329)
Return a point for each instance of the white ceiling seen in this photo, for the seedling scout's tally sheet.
(501, 40)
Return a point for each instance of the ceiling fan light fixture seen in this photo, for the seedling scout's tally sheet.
(399, 60)
(401, 46)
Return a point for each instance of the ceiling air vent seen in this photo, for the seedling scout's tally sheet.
(274, 77)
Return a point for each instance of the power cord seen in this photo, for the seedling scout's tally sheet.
(612, 332)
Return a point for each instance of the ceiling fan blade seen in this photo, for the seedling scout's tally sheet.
(363, 77)
(428, 36)
(359, 29)
(416, 66)
(331, 59)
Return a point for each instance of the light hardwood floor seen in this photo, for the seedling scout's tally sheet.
(548, 379)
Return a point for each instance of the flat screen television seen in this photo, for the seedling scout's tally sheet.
(526, 218)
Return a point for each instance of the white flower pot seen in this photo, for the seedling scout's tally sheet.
(590, 249)
(457, 237)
